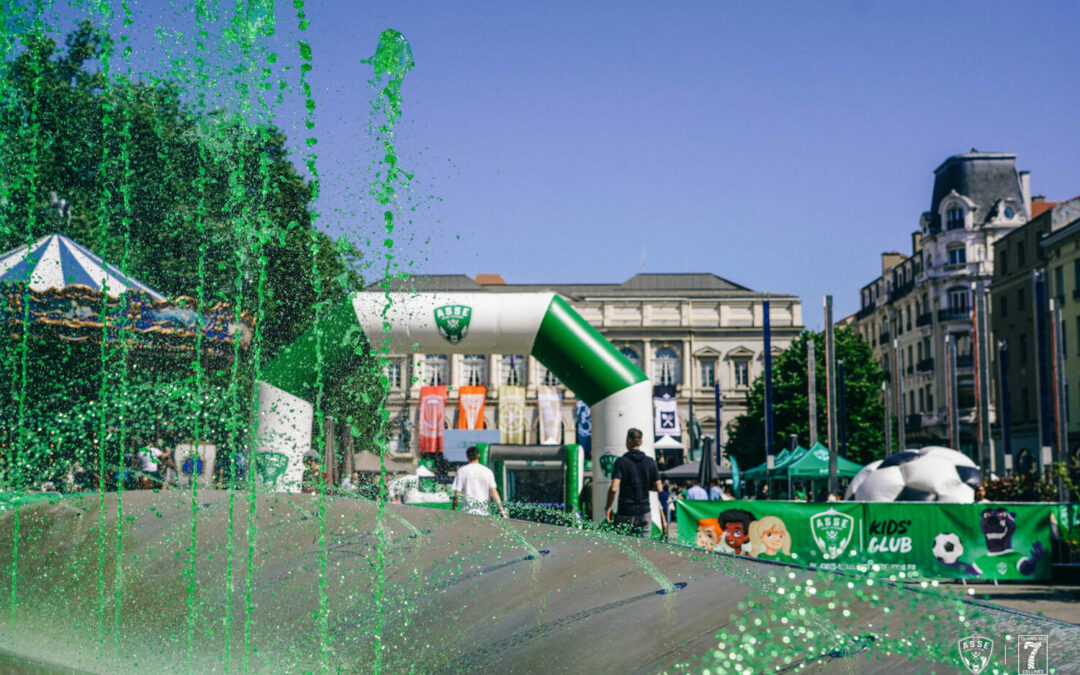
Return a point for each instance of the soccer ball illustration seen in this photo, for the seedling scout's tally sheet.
(931, 474)
(947, 548)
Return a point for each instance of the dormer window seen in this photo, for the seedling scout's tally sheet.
(954, 219)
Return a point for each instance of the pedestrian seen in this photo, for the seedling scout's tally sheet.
(474, 486)
(763, 492)
(665, 497)
(148, 457)
(980, 495)
(634, 476)
(715, 493)
(696, 491)
(725, 494)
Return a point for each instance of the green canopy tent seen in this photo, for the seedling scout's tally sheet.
(813, 465)
(762, 470)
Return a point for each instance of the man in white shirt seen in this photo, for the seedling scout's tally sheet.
(148, 456)
(474, 485)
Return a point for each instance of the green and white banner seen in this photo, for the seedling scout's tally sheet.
(958, 541)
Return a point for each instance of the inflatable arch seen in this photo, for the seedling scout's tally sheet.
(540, 324)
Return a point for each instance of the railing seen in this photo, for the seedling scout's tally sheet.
(965, 361)
(924, 319)
(883, 339)
(925, 366)
(952, 314)
(865, 312)
(914, 421)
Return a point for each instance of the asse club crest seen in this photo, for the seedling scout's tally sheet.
(453, 322)
(832, 532)
(975, 651)
(607, 464)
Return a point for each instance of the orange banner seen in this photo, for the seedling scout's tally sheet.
(432, 418)
(471, 407)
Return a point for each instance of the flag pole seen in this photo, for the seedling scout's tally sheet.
(767, 336)
(830, 386)
(811, 378)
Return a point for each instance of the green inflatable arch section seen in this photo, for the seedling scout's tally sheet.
(541, 324)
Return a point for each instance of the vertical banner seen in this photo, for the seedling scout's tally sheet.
(512, 414)
(432, 417)
(549, 400)
(665, 412)
(957, 541)
(471, 407)
(584, 426)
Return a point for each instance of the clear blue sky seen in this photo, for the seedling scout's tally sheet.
(781, 145)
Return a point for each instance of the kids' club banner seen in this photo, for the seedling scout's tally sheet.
(432, 416)
(958, 541)
(665, 411)
(512, 414)
(584, 426)
(549, 400)
(471, 407)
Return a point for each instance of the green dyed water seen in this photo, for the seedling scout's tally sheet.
(177, 173)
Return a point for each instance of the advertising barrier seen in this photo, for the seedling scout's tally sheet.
(957, 541)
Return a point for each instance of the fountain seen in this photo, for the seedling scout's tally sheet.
(248, 576)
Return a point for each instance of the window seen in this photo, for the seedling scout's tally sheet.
(392, 371)
(1078, 335)
(1023, 349)
(907, 317)
(1076, 277)
(1020, 254)
(1003, 305)
(922, 400)
(742, 373)
(667, 366)
(1020, 296)
(1004, 262)
(1064, 340)
(474, 370)
(958, 300)
(958, 255)
(919, 351)
(512, 369)
(708, 373)
(954, 219)
(1059, 281)
(911, 400)
(435, 369)
(929, 398)
(632, 355)
(547, 377)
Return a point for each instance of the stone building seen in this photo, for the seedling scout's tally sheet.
(685, 330)
(926, 294)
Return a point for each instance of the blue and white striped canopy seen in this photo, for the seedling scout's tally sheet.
(57, 262)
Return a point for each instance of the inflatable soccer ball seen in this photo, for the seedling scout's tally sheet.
(947, 548)
(931, 474)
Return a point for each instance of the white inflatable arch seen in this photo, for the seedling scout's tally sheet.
(540, 324)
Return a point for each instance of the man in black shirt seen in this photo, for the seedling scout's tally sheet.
(636, 474)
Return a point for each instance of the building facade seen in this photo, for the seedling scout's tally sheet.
(689, 331)
(928, 294)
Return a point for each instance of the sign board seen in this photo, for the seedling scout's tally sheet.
(457, 441)
(956, 541)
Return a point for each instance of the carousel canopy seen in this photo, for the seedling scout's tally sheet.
(57, 262)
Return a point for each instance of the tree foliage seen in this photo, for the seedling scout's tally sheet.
(865, 411)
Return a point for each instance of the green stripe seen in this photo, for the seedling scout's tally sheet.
(295, 368)
(580, 356)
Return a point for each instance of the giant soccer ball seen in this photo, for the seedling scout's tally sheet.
(947, 548)
(931, 474)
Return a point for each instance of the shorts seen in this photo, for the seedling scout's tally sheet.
(634, 526)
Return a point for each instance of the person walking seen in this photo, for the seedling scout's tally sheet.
(696, 491)
(474, 486)
(715, 493)
(636, 474)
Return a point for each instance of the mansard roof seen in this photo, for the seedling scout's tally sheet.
(644, 284)
(982, 177)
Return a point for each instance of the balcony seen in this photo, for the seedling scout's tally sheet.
(883, 338)
(925, 366)
(1076, 294)
(901, 290)
(864, 312)
(965, 360)
(954, 314)
(913, 421)
(910, 369)
(924, 320)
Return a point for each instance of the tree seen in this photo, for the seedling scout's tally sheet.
(862, 388)
(154, 184)
(193, 202)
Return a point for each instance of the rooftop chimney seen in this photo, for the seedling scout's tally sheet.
(490, 280)
(1025, 190)
(890, 260)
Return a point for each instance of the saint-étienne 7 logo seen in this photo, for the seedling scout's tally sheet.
(453, 322)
